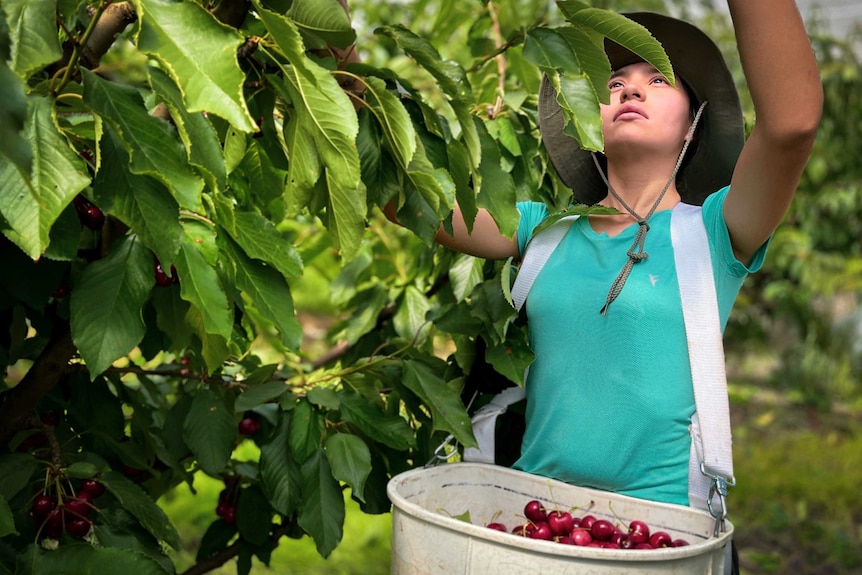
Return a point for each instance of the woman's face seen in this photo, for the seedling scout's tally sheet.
(646, 114)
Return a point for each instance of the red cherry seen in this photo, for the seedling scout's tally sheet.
(565, 540)
(587, 521)
(77, 507)
(42, 506)
(679, 543)
(162, 279)
(602, 530)
(92, 487)
(560, 522)
(534, 511)
(660, 539)
(93, 217)
(581, 537)
(229, 515)
(541, 531)
(638, 532)
(248, 426)
(221, 508)
(497, 527)
(78, 527)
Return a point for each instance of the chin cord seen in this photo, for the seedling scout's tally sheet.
(636, 253)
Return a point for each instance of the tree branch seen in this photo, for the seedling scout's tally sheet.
(20, 401)
(111, 22)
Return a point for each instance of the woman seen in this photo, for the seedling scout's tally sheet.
(610, 394)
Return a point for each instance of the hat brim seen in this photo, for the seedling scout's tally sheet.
(699, 62)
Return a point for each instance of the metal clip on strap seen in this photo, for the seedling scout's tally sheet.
(717, 486)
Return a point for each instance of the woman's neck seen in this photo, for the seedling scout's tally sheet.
(639, 184)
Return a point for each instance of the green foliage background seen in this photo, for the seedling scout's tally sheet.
(236, 153)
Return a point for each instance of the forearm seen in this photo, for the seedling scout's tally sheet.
(779, 65)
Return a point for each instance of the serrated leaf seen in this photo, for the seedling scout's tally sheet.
(306, 430)
(141, 202)
(447, 410)
(589, 50)
(81, 470)
(85, 559)
(325, 112)
(255, 395)
(138, 503)
(370, 419)
(621, 30)
(365, 318)
(394, 121)
(322, 511)
(210, 431)
(196, 131)
(322, 23)
(152, 145)
(409, 320)
(465, 274)
(13, 113)
(15, 472)
(259, 238)
(107, 301)
(580, 105)
(253, 515)
(171, 312)
(350, 460)
(33, 31)
(324, 397)
(449, 75)
(201, 287)
(7, 521)
(214, 348)
(511, 357)
(199, 53)
(279, 471)
(31, 206)
(269, 294)
(497, 191)
(548, 50)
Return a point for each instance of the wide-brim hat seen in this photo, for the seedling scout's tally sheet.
(698, 61)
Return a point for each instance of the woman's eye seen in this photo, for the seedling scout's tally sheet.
(613, 85)
(660, 80)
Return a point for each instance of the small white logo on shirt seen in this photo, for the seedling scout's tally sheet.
(653, 279)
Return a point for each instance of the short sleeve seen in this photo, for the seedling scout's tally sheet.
(532, 214)
(719, 237)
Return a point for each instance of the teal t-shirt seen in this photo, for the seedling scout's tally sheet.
(610, 398)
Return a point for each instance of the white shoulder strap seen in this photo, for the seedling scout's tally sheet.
(714, 457)
(539, 249)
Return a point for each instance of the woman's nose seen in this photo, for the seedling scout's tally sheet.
(631, 91)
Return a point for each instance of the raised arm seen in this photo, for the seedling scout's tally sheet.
(782, 76)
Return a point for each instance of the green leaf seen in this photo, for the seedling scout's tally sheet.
(7, 521)
(33, 31)
(151, 142)
(279, 472)
(326, 114)
(369, 418)
(449, 75)
(581, 109)
(107, 301)
(141, 202)
(350, 460)
(395, 122)
(324, 397)
(589, 51)
(255, 395)
(31, 207)
(81, 470)
(217, 537)
(409, 320)
(322, 511)
(574, 210)
(306, 430)
(141, 505)
(253, 515)
(15, 472)
(465, 274)
(365, 318)
(201, 287)
(85, 559)
(210, 431)
(260, 240)
(497, 190)
(199, 53)
(621, 30)
(447, 410)
(195, 130)
(547, 49)
(269, 294)
(214, 348)
(322, 23)
(13, 113)
(511, 357)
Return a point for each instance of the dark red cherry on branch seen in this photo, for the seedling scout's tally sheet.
(78, 507)
(92, 487)
(78, 527)
(42, 506)
(248, 426)
(229, 515)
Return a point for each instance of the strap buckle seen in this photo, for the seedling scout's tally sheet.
(718, 485)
